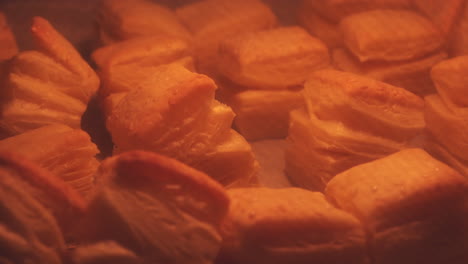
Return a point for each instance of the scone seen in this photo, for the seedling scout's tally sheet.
(349, 119)
(49, 85)
(125, 19)
(289, 225)
(212, 21)
(122, 65)
(157, 207)
(265, 72)
(413, 207)
(67, 153)
(38, 210)
(173, 112)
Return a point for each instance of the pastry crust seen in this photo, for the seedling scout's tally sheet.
(449, 127)
(49, 85)
(125, 19)
(317, 149)
(459, 39)
(319, 27)
(413, 75)
(159, 208)
(364, 104)
(260, 114)
(174, 113)
(442, 13)
(451, 81)
(212, 21)
(369, 36)
(67, 153)
(272, 59)
(335, 10)
(53, 198)
(290, 224)
(409, 203)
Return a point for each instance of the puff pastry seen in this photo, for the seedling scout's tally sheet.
(8, 45)
(412, 206)
(349, 119)
(459, 38)
(212, 21)
(125, 19)
(319, 27)
(265, 72)
(441, 12)
(370, 36)
(413, 75)
(36, 208)
(451, 81)
(335, 10)
(122, 65)
(161, 209)
(67, 153)
(288, 225)
(174, 113)
(51, 84)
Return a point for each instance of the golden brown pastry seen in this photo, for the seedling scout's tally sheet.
(335, 10)
(413, 75)
(161, 209)
(51, 84)
(320, 27)
(174, 113)
(413, 207)
(36, 208)
(260, 114)
(451, 80)
(125, 19)
(349, 119)
(446, 113)
(212, 21)
(443, 13)
(370, 36)
(103, 253)
(459, 38)
(8, 46)
(122, 65)
(67, 153)
(289, 225)
(266, 71)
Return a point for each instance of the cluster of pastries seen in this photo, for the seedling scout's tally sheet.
(369, 97)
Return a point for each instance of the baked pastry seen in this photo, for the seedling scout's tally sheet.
(450, 79)
(442, 13)
(104, 252)
(49, 85)
(446, 113)
(458, 42)
(174, 113)
(412, 206)
(335, 10)
(267, 69)
(212, 21)
(8, 45)
(157, 207)
(122, 65)
(348, 120)
(289, 225)
(413, 75)
(67, 153)
(124, 19)
(325, 30)
(260, 114)
(369, 36)
(36, 208)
